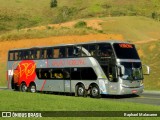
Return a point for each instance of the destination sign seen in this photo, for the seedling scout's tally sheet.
(124, 45)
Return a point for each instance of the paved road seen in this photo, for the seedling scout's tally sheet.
(148, 97)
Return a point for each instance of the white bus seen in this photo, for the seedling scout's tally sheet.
(95, 68)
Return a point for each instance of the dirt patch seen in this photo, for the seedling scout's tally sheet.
(152, 47)
(29, 43)
(95, 24)
(146, 41)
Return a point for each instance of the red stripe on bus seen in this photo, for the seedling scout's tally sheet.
(44, 82)
(7, 78)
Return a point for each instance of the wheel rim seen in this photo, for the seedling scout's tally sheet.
(80, 91)
(33, 89)
(24, 88)
(95, 92)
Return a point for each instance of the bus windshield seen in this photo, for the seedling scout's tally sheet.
(125, 51)
(133, 71)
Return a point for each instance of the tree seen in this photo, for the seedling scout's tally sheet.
(53, 3)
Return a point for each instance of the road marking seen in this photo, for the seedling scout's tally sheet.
(148, 98)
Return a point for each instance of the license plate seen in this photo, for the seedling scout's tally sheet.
(134, 91)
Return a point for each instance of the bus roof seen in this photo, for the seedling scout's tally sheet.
(61, 45)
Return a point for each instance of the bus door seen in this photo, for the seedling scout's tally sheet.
(113, 87)
(67, 80)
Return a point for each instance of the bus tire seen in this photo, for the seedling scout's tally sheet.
(32, 88)
(23, 87)
(80, 90)
(94, 91)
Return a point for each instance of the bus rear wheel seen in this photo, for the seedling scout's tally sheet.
(32, 88)
(94, 91)
(80, 90)
(23, 87)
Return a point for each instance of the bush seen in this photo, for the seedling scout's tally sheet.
(80, 24)
(65, 14)
(53, 3)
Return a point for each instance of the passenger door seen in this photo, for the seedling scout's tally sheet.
(67, 80)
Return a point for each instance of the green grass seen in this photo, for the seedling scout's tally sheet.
(28, 34)
(18, 14)
(132, 28)
(18, 101)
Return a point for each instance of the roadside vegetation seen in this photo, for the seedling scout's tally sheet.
(19, 14)
(21, 101)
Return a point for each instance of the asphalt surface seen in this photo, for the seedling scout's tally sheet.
(148, 97)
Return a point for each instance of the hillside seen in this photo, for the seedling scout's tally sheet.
(18, 14)
(26, 23)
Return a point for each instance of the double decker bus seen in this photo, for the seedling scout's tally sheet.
(95, 68)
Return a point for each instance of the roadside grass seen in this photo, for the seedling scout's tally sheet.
(18, 101)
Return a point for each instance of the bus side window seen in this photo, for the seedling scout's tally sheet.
(69, 51)
(56, 52)
(37, 54)
(49, 53)
(43, 53)
(62, 52)
(85, 51)
(75, 74)
(76, 51)
(25, 55)
(11, 56)
(92, 50)
(16, 55)
(104, 50)
(31, 54)
(20, 55)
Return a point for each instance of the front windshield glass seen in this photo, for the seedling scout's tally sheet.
(133, 71)
(125, 51)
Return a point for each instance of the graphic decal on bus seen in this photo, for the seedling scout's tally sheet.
(73, 62)
(25, 71)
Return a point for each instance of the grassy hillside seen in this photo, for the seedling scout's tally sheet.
(18, 14)
(144, 32)
(132, 20)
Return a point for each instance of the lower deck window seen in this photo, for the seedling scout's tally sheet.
(85, 73)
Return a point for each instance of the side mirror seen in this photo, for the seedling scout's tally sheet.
(146, 70)
(121, 70)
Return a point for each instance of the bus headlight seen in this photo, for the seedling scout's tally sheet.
(123, 85)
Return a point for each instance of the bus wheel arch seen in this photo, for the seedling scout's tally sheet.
(23, 87)
(94, 90)
(32, 87)
(80, 90)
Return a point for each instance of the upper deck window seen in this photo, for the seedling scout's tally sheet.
(104, 50)
(11, 56)
(125, 51)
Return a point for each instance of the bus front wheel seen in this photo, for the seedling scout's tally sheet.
(23, 87)
(94, 91)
